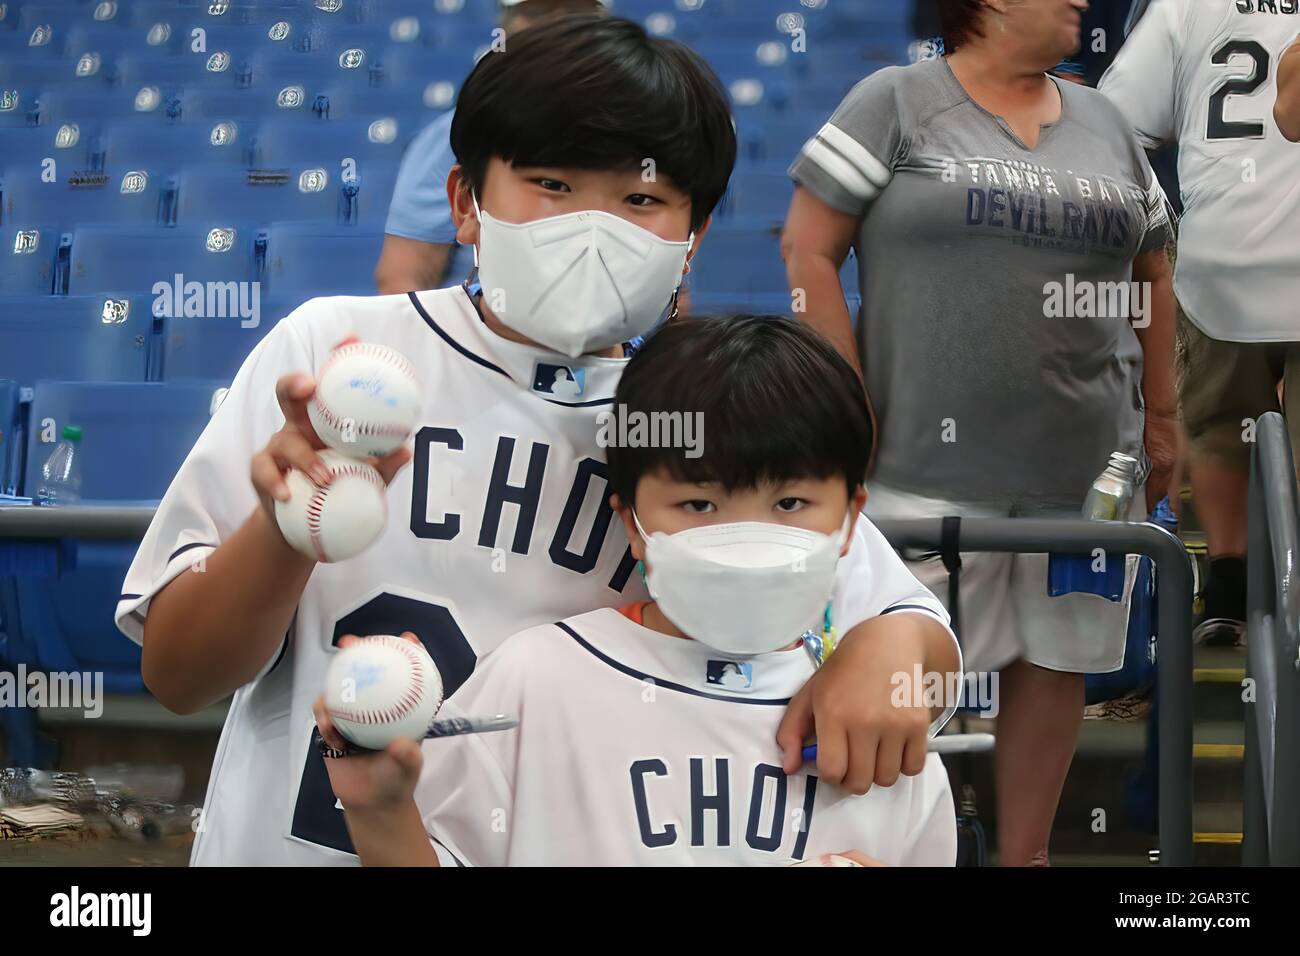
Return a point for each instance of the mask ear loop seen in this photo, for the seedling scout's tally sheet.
(673, 313)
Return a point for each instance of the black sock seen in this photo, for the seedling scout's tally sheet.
(1225, 591)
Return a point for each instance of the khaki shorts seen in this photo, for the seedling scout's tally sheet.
(1006, 611)
(1225, 386)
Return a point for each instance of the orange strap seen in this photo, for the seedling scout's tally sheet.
(633, 612)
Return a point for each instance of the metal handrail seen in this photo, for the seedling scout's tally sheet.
(1174, 596)
(1271, 827)
(1018, 535)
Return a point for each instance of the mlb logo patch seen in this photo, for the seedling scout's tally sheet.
(733, 675)
(560, 381)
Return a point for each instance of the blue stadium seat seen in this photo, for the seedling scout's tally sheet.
(75, 338)
(760, 195)
(127, 144)
(313, 261)
(71, 105)
(328, 144)
(80, 195)
(26, 147)
(738, 259)
(212, 193)
(11, 448)
(419, 66)
(743, 258)
(775, 139)
(201, 349)
(134, 438)
(28, 253)
(106, 258)
(341, 102)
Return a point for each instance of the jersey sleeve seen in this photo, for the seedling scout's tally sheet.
(872, 580)
(466, 791)
(419, 209)
(1140, 80)
(852, 158)
(211, 495)
(932, 830)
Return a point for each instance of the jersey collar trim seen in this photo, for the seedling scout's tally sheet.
(661, 683)
(530, 358)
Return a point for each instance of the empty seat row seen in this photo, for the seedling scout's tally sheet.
(356, 193)
(117, 337)
(99, 258)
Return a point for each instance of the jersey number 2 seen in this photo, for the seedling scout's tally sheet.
(317, 818)
(1218, 127)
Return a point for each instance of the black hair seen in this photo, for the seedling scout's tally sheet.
(960, 21)
(597, 92)
(778, 404)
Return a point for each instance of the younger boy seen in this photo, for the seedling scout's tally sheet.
(647, 734)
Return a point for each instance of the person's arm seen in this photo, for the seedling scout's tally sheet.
(814, 244)
(1156, 334)
(409, 265)
(1286, 111)
(377, 791)
(839, 172)
(894, 628)
(215, 622)
(419, 235)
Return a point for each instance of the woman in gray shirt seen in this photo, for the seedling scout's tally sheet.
(1016, 329)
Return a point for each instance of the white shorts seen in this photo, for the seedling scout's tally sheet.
(1006, 611)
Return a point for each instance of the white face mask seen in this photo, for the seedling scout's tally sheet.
(577, 283)
(743, 588)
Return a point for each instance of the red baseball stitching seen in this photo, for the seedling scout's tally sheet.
(316, 504)
(409, 698)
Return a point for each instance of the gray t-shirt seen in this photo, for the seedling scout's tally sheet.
(997, 346)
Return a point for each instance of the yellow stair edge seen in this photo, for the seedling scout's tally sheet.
(1219, 838)
(1219, 675)
(1218, 751)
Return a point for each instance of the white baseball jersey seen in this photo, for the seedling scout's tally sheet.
(1203, 73)
(665, 757)
(500, 523)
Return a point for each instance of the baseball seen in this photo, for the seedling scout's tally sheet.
(381, 689)
(367, 400)
(334, 521)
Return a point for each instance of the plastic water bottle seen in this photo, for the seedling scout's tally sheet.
(61, 473)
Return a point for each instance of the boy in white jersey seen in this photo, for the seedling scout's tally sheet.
(501, 521)
(637, 745)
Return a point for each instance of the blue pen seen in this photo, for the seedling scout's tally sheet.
(947, 744)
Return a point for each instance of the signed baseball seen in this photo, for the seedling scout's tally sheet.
(380, 689)
(367, 400)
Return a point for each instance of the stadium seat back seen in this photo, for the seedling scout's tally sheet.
(136, 259)
(77, 338)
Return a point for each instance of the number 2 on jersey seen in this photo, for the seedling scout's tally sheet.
(1218, 127)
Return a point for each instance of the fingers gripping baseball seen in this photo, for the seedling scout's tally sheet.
(323, 476)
